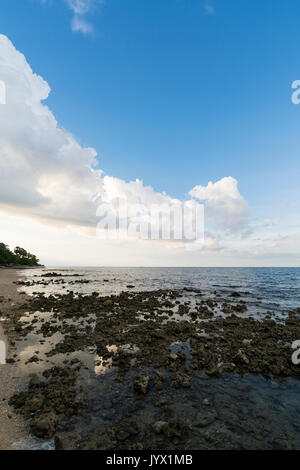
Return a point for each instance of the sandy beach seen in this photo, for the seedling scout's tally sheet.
(12, 426)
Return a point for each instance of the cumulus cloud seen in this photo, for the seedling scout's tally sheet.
(224, 204)
(43, 168)
(47, 175)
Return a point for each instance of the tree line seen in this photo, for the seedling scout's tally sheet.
(18, 257)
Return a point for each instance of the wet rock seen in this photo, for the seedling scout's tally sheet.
(59, 443)
(35, 403)
(160, 426)
(159, 383)
(235, 294)
(44, 426)
(45, 399)
(212, 370)
(175, 429)
(137, 446)
(282, 444)
(33, 359)
(34, 380)
(50, 274)
(160, 375)
(10, 360)
(227, 367)
(181, 379)
(205, 418)
(122, 435)
(141, 384)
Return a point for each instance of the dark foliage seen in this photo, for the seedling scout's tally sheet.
(19, 257)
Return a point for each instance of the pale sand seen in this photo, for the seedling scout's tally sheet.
(12, 426)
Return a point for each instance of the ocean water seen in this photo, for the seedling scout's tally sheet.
(273, 287)
(248, 412)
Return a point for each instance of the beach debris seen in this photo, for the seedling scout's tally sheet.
(241, 354)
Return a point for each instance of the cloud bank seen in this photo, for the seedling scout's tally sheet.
(46, 175)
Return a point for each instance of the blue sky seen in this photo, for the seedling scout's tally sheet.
(176, 92)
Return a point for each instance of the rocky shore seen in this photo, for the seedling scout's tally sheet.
(165, 369)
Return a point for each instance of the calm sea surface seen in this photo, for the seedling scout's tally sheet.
(272, 286)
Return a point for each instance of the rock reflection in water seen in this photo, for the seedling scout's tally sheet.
(224, 413)
(103, 365)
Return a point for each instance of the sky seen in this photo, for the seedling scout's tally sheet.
(173, 101)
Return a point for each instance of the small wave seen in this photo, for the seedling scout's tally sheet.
(29, 443)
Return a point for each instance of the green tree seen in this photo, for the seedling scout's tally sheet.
(20, 252)
(18, 257)
(6, 256)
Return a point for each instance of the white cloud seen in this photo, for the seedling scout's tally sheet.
(43, 169)
(224, 204)
(80, 9)
(270, 222)
(79, 24)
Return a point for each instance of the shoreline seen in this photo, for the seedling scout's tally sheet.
(22, 267)
(12, 426)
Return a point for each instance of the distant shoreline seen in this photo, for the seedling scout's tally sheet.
(23, 266)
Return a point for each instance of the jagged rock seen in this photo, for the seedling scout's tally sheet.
(205, 417)
(159, 426)
(212, 370)
(141, 383)
(282, 444)
(181, 379)
(44, 425)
